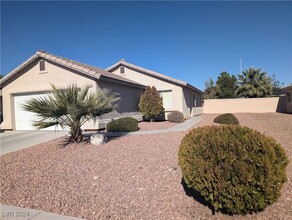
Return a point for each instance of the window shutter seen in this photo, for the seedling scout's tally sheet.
(42, 65)
(122, 69)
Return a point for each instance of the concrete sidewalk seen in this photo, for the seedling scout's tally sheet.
(189, 123)
(12, 213)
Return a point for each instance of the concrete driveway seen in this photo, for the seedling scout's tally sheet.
(16, 140)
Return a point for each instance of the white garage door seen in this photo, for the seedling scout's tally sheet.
(24, 119)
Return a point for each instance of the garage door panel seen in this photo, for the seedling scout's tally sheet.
(24, 119)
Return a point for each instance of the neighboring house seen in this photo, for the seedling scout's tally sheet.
(288, 96)
(176, 94)
(34, 77)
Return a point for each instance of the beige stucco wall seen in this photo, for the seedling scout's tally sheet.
(188, 108)
(252, 105)
(288, 104)
(128, 103)
(129, 96)
(159, 84)
(180, 100)
(32, 80)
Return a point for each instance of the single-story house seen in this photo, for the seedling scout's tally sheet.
(176, 94)
(288, 96)
(34, 78)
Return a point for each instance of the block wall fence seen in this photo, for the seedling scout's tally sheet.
(245, 105)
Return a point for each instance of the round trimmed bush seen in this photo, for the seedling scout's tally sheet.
(228, 119)
(176, 116)
(235, 169)
(125, 124)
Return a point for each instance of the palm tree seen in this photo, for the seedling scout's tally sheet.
(70, 108)
(254, 83)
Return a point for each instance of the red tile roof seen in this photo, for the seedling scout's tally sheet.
(92, 71)
(122, 62)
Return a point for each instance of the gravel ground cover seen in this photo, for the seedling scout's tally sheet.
(157, 125)
(131, 177)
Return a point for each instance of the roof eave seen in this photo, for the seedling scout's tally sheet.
(286, 88)
(113, 66)
(93, 74)
(105, 78)
(18, 68)
(194, 88)
(39, 54)
(159, 75)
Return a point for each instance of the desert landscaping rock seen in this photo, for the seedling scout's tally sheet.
(130, 177)
(98, 139)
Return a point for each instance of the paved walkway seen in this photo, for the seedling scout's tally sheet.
(189, 123)
(12, 212)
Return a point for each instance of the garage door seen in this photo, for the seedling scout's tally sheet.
(24, 119)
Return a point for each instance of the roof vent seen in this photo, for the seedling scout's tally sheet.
(122, 59)
(40, 51)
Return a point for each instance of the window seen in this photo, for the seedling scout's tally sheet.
(194, 101)
(42, 65)
(167, 98)
(122, 69)
(289, 97)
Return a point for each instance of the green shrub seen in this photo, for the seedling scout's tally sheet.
(126, 124)
(235, 169)
(151, 105)
(228, 119)
(176, 116)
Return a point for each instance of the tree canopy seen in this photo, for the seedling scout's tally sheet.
(210, 92)
(276, 84)
(226, 86)
(254, 83)
(251, 83)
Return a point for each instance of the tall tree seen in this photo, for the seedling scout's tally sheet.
(226, 86)
(151, 104)
(254, 83)
(70, 108)
(210, 92)
(276, 84)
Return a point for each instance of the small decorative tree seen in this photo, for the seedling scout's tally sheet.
(151, 105)
(71, 107)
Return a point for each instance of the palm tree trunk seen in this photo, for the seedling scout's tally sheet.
(76, 133)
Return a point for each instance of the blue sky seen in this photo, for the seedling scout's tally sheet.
(190, 41)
